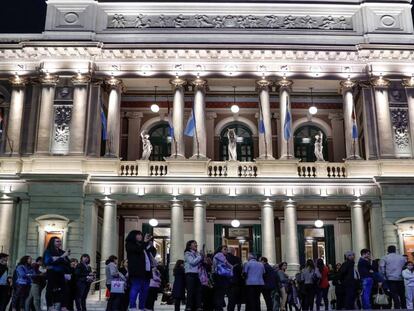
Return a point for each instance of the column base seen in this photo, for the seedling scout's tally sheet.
(266, 158)
(200, 157)
(353, 157)
(287, 157)
(175, 157)
(110, 155)
(292, 269)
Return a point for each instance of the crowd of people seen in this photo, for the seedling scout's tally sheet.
(208, 282)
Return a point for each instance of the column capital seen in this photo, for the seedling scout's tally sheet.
(380, 82)
(176, 201)
(134, 114)
(284, 83)
(199, 202)
(356, 203)
(81, 80)
(200, 84)
(178, 83)
(347, 85)
(263, 85)
(267, 201)
(114, 83)
(289, 203)
(408, 83)
(49, 80)
(17, 81)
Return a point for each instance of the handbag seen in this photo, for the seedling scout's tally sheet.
(380, 299)
(224, 270)
(117, 287)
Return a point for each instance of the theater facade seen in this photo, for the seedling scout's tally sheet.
(319, 97)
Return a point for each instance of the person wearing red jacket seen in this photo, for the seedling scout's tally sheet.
(323, 286)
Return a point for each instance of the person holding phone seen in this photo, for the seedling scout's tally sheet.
(139, 267)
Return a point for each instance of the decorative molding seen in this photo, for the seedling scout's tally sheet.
(284, 83)
(400, 126)
(200, 84)
(271, 21)
(263, 85)
(347, 85)
(61, 129)
(115, 83)
(49, 80)
(178, 83)
(380, 82)
(81, 80)
(17, 81)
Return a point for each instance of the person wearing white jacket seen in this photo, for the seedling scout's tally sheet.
(408, 275)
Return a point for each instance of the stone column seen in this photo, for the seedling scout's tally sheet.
(23, 228)
(114, 117)
(409, 89)
(177, 146)
(45, 121)
(383, 114)
(359, 235)
(177, 234)
(268, 231)
(200, 137)
(337, 136)
(210, 134)
(78, 122)
(377, 230)
(15, 119)
(199, 222)
(265, 140)
(134, 135)
(7, 212)
(90, 230)
(285, 147)
(291, 234)
(352, 145)
(109, 243)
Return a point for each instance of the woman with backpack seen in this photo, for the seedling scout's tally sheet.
(310, 278)
(222, 273)
(323, 286)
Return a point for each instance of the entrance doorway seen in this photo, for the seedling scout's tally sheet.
(315, 243)
(240, 239)
(162, 244)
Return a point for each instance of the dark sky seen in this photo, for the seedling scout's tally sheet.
(26, 16)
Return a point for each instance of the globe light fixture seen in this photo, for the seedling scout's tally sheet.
(234, 108)
(318, 222)
(154, 107)
(235, 223)
(312, 109)
(153, 221)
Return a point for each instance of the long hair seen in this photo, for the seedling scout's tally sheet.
(310, 264)
(24, 261)
(110, 259)
(132, 236)
(320, 264)
(51, 244)
(178, 264)
(188, 245)
(219, 249)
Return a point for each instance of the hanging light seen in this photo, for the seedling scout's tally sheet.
(234, 108)
(235, 223)
(154, 107)
(312, 109)
(153, 221)
(318, 222)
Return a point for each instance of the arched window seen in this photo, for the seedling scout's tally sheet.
(305, 143)
(244, 142)
(161, 142)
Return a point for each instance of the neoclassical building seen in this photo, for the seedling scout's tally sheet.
(319, 95)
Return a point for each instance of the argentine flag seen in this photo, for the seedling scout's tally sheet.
(287, 132)
(103, 121)
(170, 123)
(354, 124)
(190, 128)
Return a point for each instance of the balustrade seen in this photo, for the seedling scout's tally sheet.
(322, 170)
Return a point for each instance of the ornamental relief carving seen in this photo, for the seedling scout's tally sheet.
(142, 21)
(61, 128)
(400, 125)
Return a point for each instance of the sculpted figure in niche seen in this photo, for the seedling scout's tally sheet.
(232, 146)
(319, 147)
(146, 146)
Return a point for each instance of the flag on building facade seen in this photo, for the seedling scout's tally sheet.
(104, 122)
(354, 124)
(170, 120)
(190, 128)
(287, 125)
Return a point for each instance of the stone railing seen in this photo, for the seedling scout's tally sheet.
(322, 170)
(143, 168)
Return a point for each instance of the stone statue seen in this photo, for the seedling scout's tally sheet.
(319, 147)
(232, 146)
(146, 146)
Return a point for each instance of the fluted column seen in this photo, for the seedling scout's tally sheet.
(109, 242)
(285, 147)
(177, 146)
(177, 234)
(386, 140)
(199, 222)
(200, 137)
(409, 89)
(291, 237)
(377, 230)
(352, 145)
(78, 121)
(15, 119)
(7, 211)
(268, 231)
(46, 121)
(265, 139)
(359, 236)
(114, 117)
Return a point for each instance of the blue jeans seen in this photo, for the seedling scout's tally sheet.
(366, 292)
(138, 286)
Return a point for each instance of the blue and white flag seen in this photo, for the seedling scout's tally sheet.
(354, 124)
(261, 126)
(287, 131)
(190, 128)
(104, 122)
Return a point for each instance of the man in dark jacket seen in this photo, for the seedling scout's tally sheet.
(236, 283)
(4, 286)
(271, 283)
(366, 274)
(349, 278)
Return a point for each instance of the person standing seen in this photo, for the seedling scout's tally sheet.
(4, 286)
(38, 283)
(222, 273)
(84, 277)
(236, 282)
(270, 283)
(22, 283)
(71, 287)
(408, 275)
(366, 274)
(254, 272)
(310, 277)
(178, 290)
(112, 274)
(349, 279)
(284, 281)
(154, 288)
(192, 260)
(323, 286)
(391, 266)
(139, 267)
(123, 269)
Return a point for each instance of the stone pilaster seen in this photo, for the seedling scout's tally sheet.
(109, 243)
(7, 212)
(359, 236)
(291, 237)
(268, 231)
(409, 89)
(377, 230)
(177, 234)
(199, 222)
(134, 135)
(285, 146)
(115, 87)
(263, 87)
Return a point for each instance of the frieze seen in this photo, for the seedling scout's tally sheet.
(142, 21)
